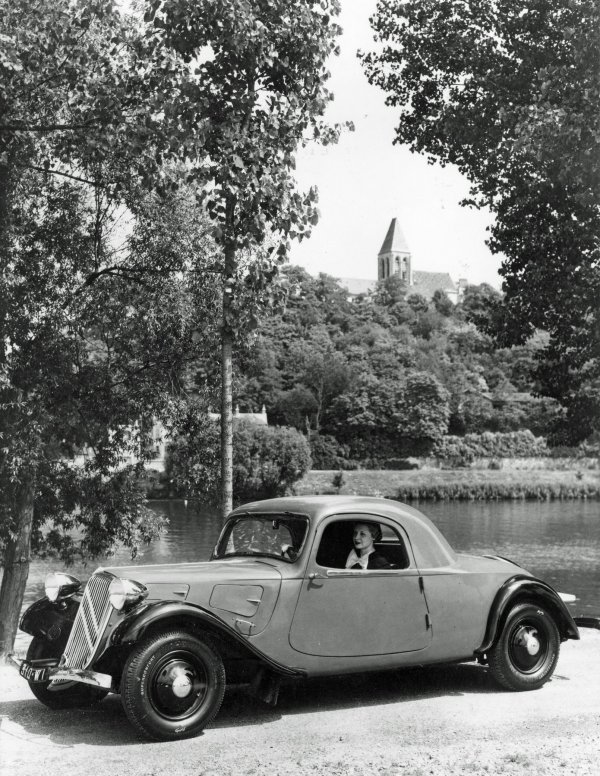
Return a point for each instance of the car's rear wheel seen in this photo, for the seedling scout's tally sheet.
(173, 685)
(526, 652)
(60, 695)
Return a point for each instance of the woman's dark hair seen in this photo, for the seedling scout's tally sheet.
(374, 528)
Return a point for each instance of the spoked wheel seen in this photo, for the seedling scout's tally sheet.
(60, 695)
(173, 685)
(525, 655)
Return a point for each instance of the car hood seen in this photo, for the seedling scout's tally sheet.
(233, 570)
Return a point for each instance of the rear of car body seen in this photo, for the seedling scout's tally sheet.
(275, 600)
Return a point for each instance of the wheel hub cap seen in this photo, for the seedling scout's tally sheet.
(178, 685)
(528, 639)
(182, 685)
(532, 644)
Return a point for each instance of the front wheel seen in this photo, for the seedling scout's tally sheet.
(60, 695)
(524, 656)
(173, 685)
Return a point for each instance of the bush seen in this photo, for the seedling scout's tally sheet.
(327, 453)
(515, 444)
(267, 461)
(399, 464)
(338, 481)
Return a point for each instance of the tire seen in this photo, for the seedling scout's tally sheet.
(66, 695)
(172, 686)
(524, 656)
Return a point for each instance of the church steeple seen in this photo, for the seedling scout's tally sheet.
(394, 258)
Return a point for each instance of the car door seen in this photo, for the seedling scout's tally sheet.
(349, 612)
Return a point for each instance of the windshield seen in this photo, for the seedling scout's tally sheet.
(278, 536)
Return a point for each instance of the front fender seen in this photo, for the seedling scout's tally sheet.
(51, 621)
(521, 588)
(135, 626)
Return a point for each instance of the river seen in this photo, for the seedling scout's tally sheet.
(558, 541)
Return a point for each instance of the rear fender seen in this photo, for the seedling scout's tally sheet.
(167, 614)
(520, 589)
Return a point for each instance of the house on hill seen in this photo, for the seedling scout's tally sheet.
(395, 258)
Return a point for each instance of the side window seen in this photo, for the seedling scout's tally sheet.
(337, 543)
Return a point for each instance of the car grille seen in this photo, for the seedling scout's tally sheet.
(90, 622)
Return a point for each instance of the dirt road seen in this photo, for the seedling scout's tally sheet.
(439, 721)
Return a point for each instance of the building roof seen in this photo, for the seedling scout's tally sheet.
(427, 283)
(395, 241)
(356, 286)
(258, 418)
(424, 283)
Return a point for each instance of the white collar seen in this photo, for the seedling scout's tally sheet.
(362, 560)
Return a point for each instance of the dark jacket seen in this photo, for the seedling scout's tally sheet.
(376, 561)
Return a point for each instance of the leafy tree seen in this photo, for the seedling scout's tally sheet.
(84, 96)
(442, 303)
(259, 91)
(480, 305)
(84, 365)
(508, 93)
(422, 412)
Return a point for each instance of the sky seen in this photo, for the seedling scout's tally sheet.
(364, 181)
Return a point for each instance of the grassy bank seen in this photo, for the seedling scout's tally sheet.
(459, 484)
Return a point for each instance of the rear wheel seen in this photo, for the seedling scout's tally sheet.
(62, 695)
(524, 656)
(173, 685)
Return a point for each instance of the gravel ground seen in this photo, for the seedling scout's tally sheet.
(442, 720)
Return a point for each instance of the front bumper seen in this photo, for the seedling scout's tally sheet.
(40, 671)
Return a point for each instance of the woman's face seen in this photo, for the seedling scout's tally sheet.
(362, 538)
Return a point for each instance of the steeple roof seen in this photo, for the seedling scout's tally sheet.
(394, 241)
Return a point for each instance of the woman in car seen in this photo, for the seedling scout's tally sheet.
(364, 555)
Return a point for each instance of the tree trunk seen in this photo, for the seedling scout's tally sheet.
(16, 566)
(226, 388)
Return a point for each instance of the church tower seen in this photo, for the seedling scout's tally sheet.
(394, 257)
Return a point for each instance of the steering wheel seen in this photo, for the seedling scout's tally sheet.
(289, 552)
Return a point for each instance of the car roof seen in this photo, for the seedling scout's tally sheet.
(429, 546)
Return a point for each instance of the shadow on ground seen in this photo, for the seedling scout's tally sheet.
(106, 723)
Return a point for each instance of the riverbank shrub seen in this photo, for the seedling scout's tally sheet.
(267, 461)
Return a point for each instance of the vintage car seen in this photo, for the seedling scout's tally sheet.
(276, 600)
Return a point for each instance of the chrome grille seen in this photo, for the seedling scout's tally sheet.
(90, 622)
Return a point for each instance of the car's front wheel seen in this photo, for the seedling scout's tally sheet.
(173, 685)
(526, 652)
(60, 695)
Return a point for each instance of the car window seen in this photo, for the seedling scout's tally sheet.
(336, 544)
(280, 536)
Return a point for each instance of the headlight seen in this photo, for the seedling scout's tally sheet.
(60, 586)
(125, 593)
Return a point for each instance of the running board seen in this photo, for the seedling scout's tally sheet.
(587, 622)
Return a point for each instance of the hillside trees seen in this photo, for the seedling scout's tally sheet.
(508, 93)
(354, 365)
(259, 89)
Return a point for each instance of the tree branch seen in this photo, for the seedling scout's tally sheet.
(42, 127)
(64, 174)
